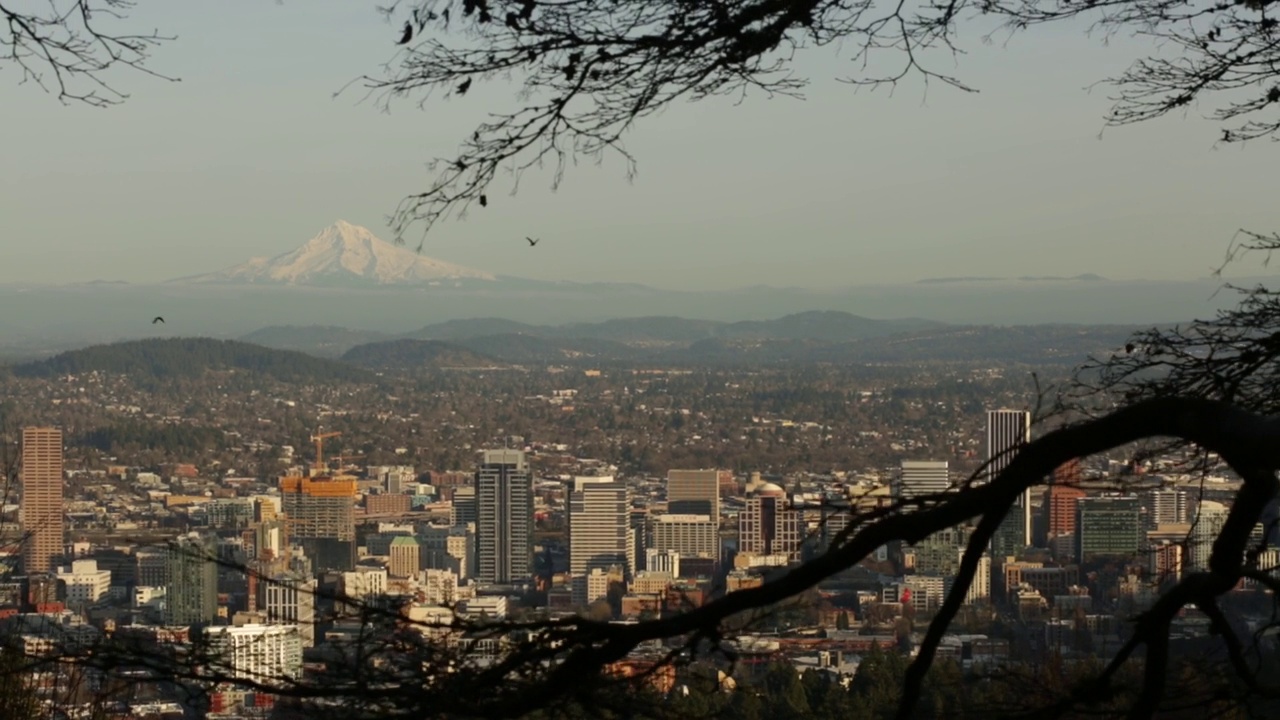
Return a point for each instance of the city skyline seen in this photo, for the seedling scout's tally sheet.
(809, 349)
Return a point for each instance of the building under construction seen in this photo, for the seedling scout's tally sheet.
(319, 514)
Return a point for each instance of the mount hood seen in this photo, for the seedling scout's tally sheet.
(343, 255)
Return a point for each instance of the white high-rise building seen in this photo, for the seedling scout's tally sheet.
(1210, 517)
(364, 582)
(292, 601)
(923, 477)
(439, 586)
(689, 536)
(663, 561)
(1006, 431)
(268, 654)
(1167, 506)
(85, 583)
(600, 534)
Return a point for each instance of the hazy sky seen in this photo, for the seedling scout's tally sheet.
(251, 155)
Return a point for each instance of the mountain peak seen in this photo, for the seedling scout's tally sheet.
(342, 254)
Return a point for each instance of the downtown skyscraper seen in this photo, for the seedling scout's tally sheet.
(919, 478)
(1006, 431)
(600, 534)
(504, 518)
(41, 509)
(694, 492)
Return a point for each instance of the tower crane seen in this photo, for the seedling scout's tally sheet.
(319, 441)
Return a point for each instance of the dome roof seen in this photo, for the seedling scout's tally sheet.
(770, 489)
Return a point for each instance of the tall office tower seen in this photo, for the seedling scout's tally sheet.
(406, 557)
(922, 477)
(1210, 517)
(41, 509)
(600, 533)
(191, 589)
(694, 492)
(1166, 506)
(504, 523)
(1108, 526)
(1060, 509)
(1006, 430)
(464, 505)
(290, 599)
(689, 536)
(320, 517)
(640, 531)
(767, 526)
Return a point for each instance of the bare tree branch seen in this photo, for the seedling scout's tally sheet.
(587, 72)
(68, 47)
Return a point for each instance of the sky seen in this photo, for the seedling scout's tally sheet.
(251, 155)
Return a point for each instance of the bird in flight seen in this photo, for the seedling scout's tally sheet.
(157, 320)
(532, 242)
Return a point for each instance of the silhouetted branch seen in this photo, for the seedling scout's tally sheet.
(587, 72)
(68, 47)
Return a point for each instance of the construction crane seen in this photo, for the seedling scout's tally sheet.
(319, 441)
(346, 456)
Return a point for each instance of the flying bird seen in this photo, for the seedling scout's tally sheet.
(157, 320)
(408, 33)
(464, 86)
(532, 242)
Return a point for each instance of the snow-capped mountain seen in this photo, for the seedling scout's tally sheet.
(343, 254)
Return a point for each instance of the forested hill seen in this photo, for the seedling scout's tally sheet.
(191, 357)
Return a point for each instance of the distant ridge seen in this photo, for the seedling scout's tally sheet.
(1028, 344)
(1085, 277)
(658, 331)
(342, 255)
(163, 358)
(826, 325)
